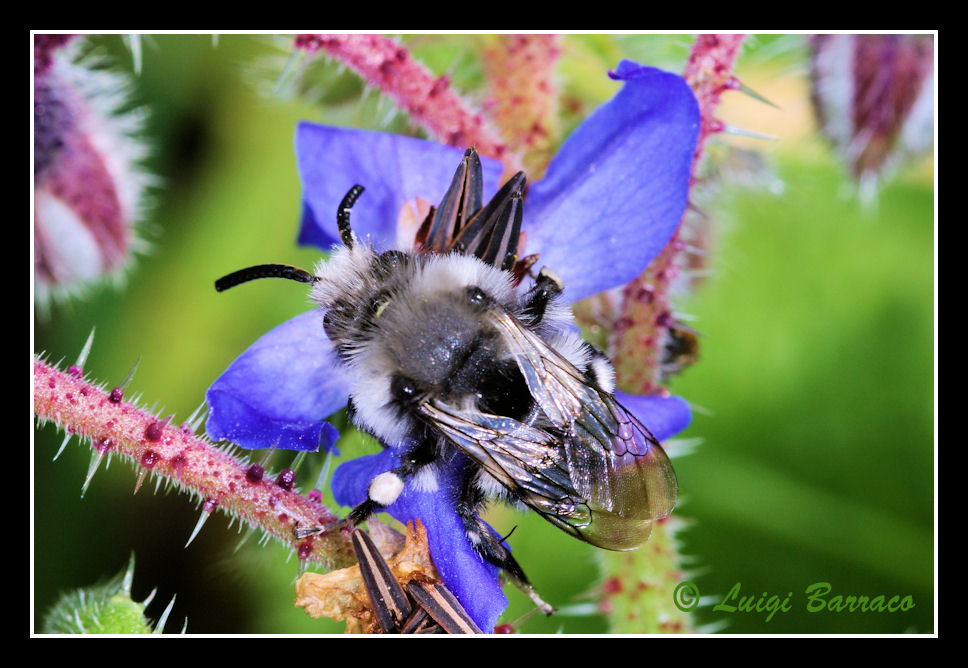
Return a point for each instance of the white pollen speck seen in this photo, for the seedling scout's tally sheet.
(385, 488)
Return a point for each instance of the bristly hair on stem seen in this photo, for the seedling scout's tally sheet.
(429, 100)
(213, 475)
(640, 333)
(638, 340)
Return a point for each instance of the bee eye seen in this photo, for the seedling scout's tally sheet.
(403, 389)
(476, 296)
(392, 257)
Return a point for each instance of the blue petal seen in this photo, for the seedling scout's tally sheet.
(394, 170)
(352, 478)
(472, 580)
(616, 190)
(280, 390)
(664, 416)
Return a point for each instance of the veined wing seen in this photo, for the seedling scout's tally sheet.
(615, 464)
(602, 498)
(527, 461)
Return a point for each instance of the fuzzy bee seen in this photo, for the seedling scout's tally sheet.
(447, 353)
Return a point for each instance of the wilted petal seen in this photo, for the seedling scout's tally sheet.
(615, 191)
(279, 391)
(664, 416)
(472, 580)
(394, 170)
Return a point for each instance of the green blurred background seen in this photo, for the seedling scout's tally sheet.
(814, 394)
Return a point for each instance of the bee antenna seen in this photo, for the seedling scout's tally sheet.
(264, 271)
(343, 215)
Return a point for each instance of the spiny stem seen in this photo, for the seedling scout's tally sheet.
(520, 69)
(429, 100)
(637, 590)
(640, 333)
(642, 584)
(177, 454)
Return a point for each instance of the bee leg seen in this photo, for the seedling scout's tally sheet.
(382, 491)
(360, 513)
(386, 487)
(546, 288)
(494, 551)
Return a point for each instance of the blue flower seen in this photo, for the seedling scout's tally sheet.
(610, 201)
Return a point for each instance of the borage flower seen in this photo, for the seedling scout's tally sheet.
(612, 198)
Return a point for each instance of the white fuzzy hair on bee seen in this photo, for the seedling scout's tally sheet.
(422, 302)
(447, 353)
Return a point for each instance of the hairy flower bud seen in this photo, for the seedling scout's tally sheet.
(87, 189)
(104, 608)
(874, 96)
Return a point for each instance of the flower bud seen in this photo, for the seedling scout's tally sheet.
(104, 608)
(874, 97)
(86, 186)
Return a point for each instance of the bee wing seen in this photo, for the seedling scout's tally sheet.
(597, 473)
(617, 466)
(627, 480)
(522, 458)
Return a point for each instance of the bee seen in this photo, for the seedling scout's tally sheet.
(449, 354)
(681, 348)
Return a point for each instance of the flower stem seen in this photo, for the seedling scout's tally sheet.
(637, 590)
(114, 426)
(429, 100)
(639, 586)
(520, 70)
(641, 332)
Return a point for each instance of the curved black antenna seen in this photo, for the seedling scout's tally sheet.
(264, 271)
(343, 214)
